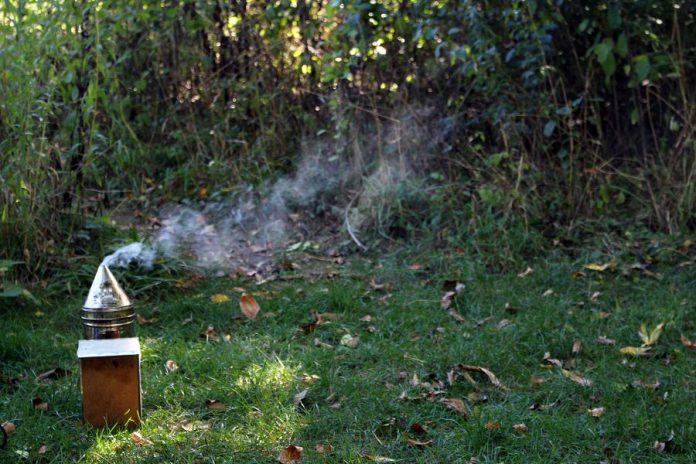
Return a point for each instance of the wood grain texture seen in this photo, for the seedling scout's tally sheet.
(110, 389)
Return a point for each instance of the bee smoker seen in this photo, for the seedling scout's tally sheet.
(109, 355)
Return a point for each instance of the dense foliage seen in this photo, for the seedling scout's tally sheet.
(558, 110)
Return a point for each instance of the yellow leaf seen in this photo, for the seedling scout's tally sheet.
(596, 267)
(250, 308)
(577, 378)
(596, 412)
(635, 350)
(219, 298)
(650, 338)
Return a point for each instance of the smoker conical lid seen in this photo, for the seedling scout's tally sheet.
(105, 291)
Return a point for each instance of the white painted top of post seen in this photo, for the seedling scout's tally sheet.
(108, 347)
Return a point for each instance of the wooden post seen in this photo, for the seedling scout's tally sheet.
(110, 381)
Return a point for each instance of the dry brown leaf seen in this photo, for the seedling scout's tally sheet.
(299, 397)
(686, 244)
(688, 343)
(665, 446)
(42, 449)
(375, 458)
(250, 308)
(635, 350)
(324, 449)
(577, 346)
(537, 380)
(446, 300)
(219, 298)
(576, 274)
(520, 428)
(603, 340)
(210, 333)
(290, 455)
(577, 378)
(139, 440)
(319, 344)
(171, 366)
(455, 315)
(455, 404)
(142, 320)
(415, 267)
(53, 374)
(38, 403)
(9, 427)
(552, 361)
(418, 443)
(350, 341)
(641, 384)
(492, 425)
(491, 377)
(417, 428)
(214, 404)
(596, 412)
(379, 287)
(366, 318)
(525, 273)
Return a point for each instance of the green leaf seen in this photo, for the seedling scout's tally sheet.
(6, 264)
(622, 46)
(642, 66)
(549, 127)
(609, 66)
(10, 290)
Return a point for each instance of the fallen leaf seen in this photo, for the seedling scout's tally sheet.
(477, 397)
(492, 425)
(319, 344)
(650, 338)
(350, 341)
(366, 318)
(324, 449)
(415, 267)
(219, 298)
(53, 374)
(299, 397)
(379, 287)
(603, 340)
(491, 377)
(542, 407)
(455, 404)
(577, 378)
(635, 350)
(290, 455)
(595, 296)
(596, 412)
(552, 361)
(597, 267)
(9, 427)
(139, 440)
(537, 380)
(38, 403)
(688, 343)
(42, 449)
(142, 320)
(548, 292)
(503, 323)
(171, 366)
(249, 306)
(418, 443)
(650, 386)
(210, 333)
(577, 346)
(520, 428)
(525, 273)
(417, 428)
(665, 446)
(374, 458)
(446, 300)
(455, 315)
(214, 404)
(686, 244)
(576, 274)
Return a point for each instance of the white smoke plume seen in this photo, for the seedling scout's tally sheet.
(358, 171)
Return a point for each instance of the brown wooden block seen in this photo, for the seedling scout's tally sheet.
(110, 381)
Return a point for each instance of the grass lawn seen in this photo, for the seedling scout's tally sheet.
(387, 385)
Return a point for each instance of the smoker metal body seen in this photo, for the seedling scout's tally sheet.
(109, 355)
(107, 312)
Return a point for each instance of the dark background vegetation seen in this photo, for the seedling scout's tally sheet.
(561, 116)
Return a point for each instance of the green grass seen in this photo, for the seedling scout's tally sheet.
(353, 402)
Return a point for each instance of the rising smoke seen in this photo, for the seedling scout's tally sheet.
(348, 178)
